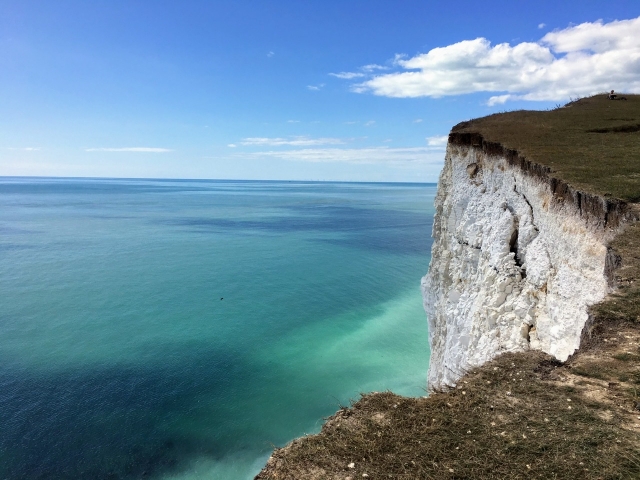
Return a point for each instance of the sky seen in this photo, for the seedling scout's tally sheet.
(349, 90)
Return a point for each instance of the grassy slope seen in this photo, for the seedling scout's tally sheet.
(522, 415)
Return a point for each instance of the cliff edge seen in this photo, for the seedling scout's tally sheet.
(533, 299)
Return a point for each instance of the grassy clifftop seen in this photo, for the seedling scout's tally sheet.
(592, 143)
(523, 415)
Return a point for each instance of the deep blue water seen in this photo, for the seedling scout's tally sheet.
(180, 329)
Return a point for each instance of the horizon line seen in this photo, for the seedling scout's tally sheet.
(213, 179)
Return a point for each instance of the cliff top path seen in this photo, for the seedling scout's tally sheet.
(523, 415)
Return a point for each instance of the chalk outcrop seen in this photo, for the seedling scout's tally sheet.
(517, 260)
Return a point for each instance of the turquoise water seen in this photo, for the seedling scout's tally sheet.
(180, 329)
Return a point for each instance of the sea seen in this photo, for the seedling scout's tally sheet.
(182, 329)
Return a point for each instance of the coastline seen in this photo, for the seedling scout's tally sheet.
(526, 413)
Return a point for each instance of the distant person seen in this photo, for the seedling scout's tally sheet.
(614, 96)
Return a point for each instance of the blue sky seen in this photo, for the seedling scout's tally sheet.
(302, 90)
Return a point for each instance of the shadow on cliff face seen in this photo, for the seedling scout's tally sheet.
(624, 304)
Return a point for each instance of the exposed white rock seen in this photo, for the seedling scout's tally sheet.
(510, 268)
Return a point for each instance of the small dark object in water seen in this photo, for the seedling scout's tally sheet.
(221, 298)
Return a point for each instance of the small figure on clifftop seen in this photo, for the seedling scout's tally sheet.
(614, 96)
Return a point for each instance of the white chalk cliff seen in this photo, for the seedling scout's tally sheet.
(515, 264)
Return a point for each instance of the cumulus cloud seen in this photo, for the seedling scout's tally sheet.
(315, 87)
(542, 25)
(232, 145)
(292, 141)
(579, 60)
(374, 155)
(130, 149)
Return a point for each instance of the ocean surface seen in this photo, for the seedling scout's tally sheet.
(181, 329)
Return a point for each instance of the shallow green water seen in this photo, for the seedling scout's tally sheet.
(179, 329)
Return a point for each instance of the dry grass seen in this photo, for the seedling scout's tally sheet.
(523, 415)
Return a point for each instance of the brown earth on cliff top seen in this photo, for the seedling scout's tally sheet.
(522, 415)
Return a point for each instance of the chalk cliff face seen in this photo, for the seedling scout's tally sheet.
(514, 265)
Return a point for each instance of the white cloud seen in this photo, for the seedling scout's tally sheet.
(25, 149)
(367, 69)
(347, 75)
(270, 54)
(370, 123)
(439, 141)
(292, 141)
(232, 145)
(542, 25)
(293, 121)
(374, 155)
(130, 149)
(499, 99)
(417, 120)
(315, 87)
(372, 67)
(578, 60)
